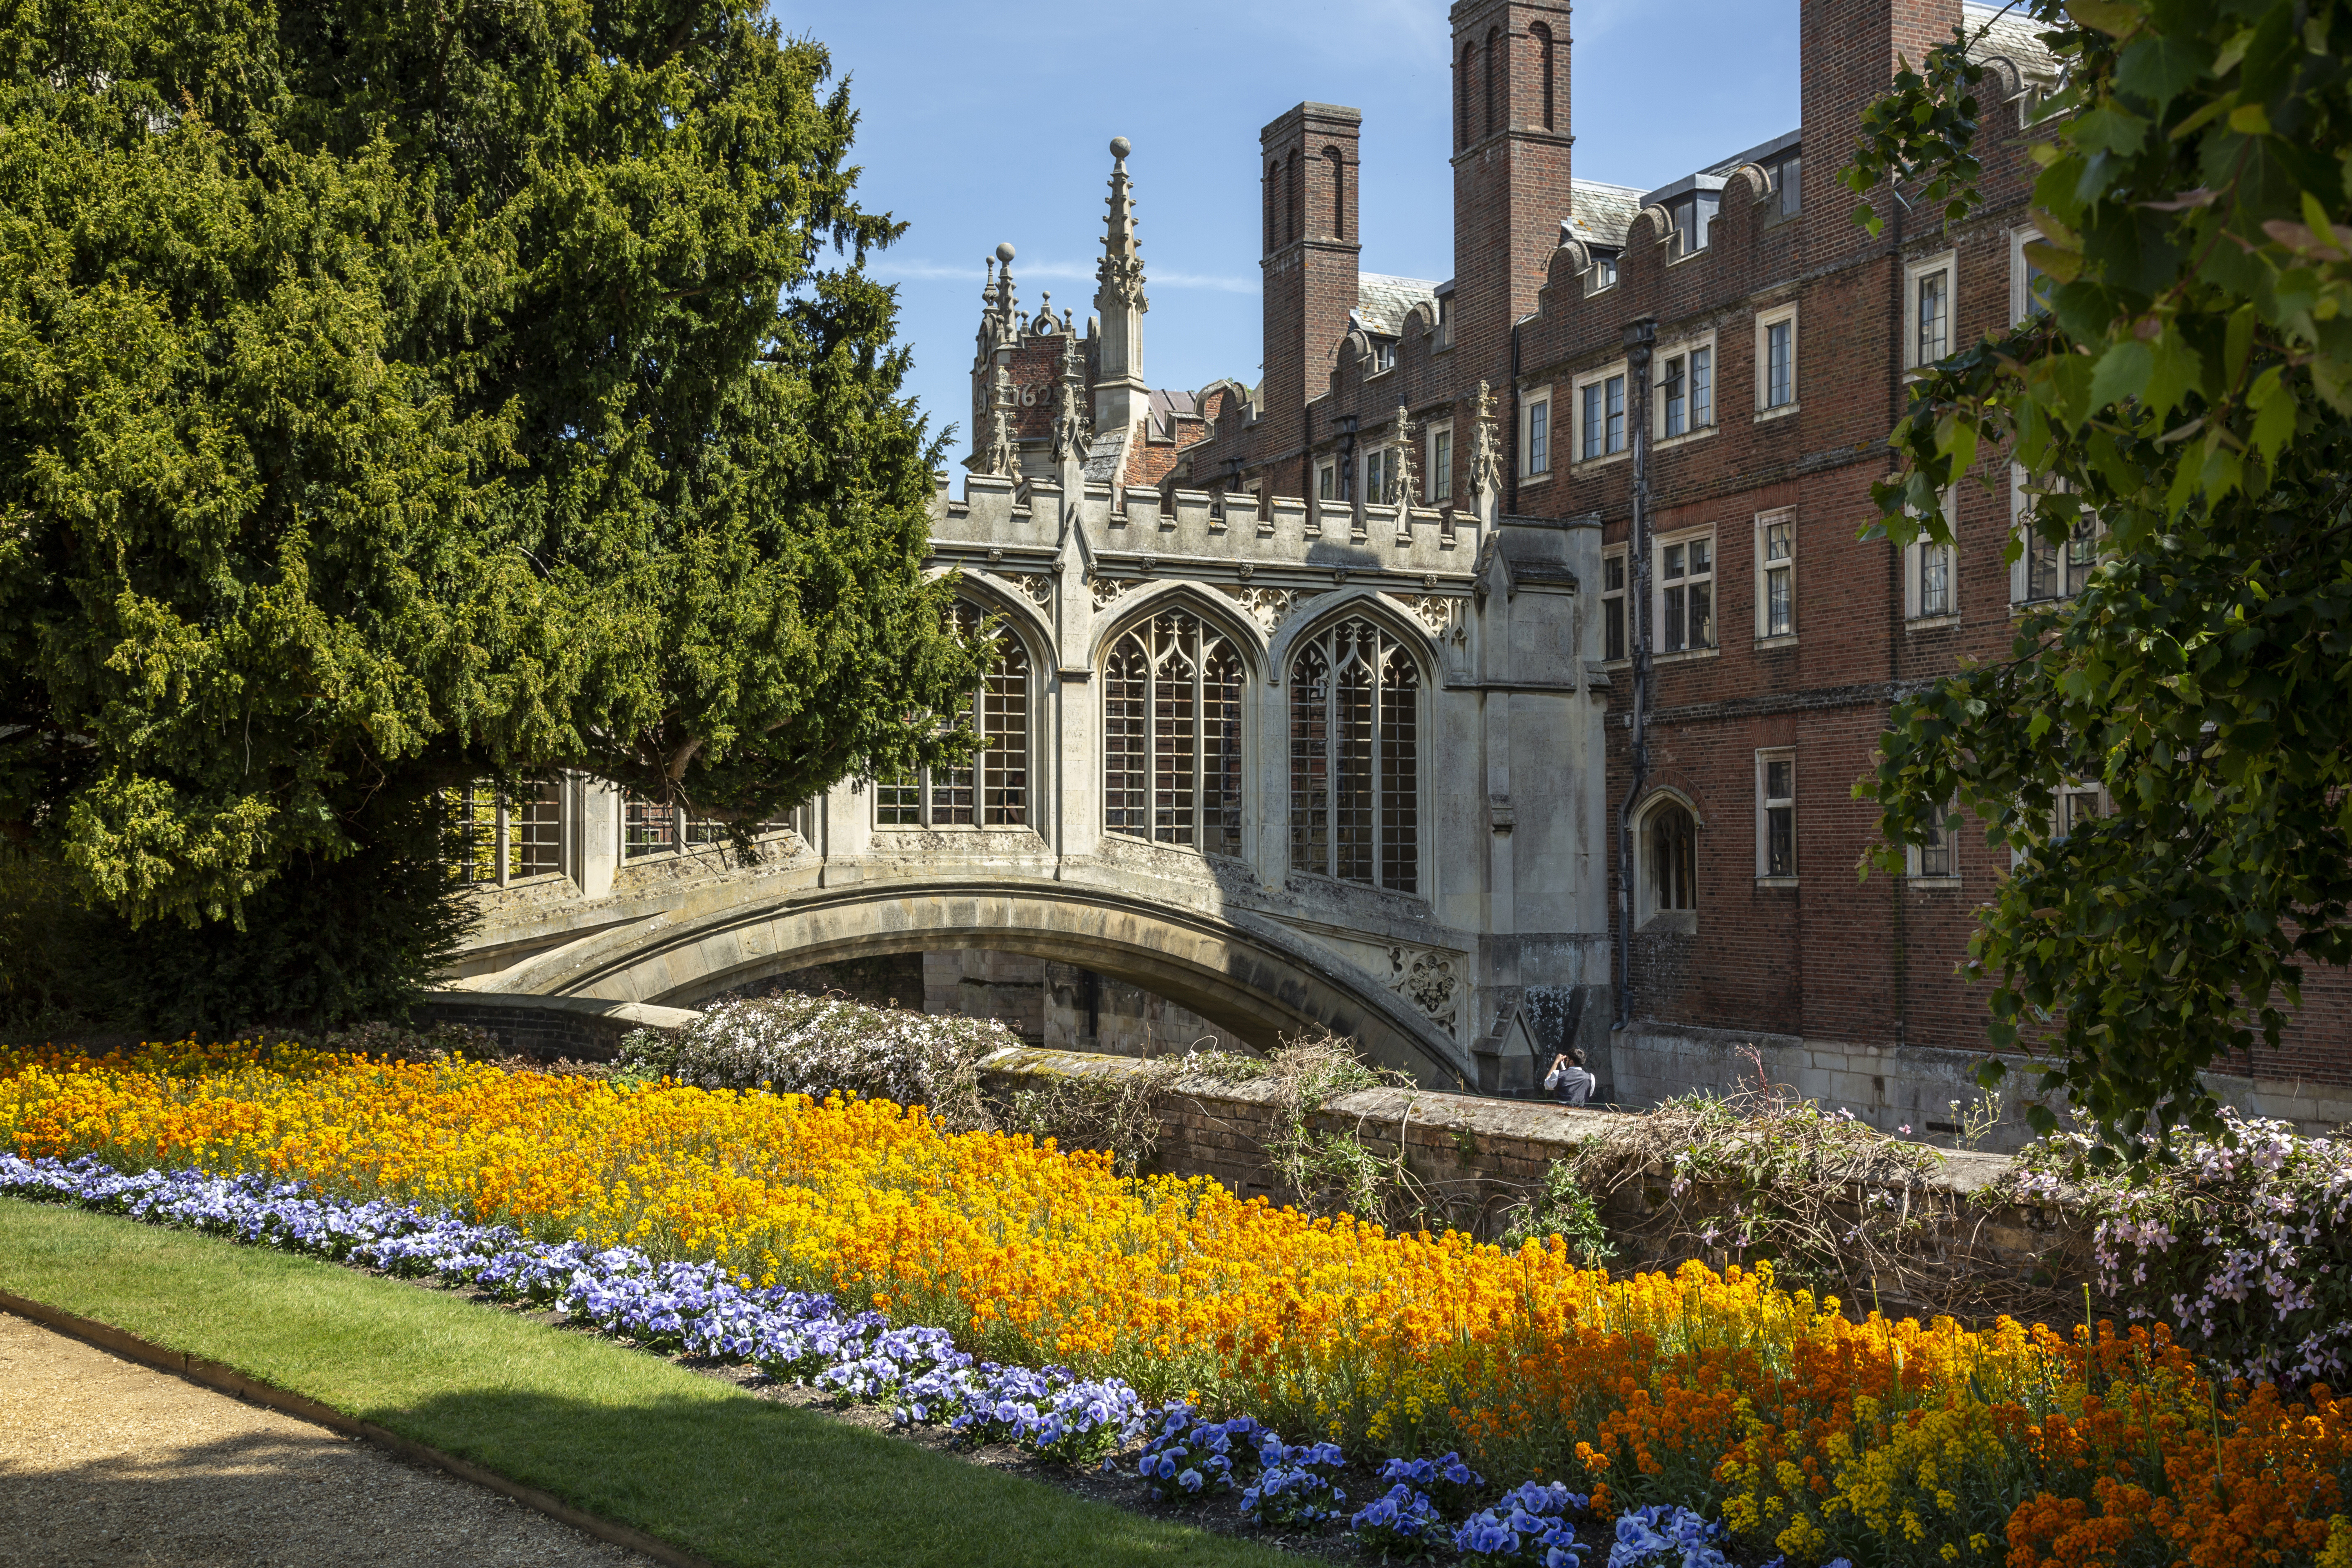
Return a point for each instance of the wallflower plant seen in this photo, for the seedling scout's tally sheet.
(1015, 1293)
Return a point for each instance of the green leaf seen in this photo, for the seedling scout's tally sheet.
(2123, 372)
(2065, 265)
(2239, 343)
(2233, 52)
(2109, 129)
(2159, 67)
(2273, 404)
(2113, 18)
(2175, 370)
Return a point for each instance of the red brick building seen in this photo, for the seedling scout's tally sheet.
(1775, 341)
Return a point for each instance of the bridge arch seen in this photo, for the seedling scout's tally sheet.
(1247, 975)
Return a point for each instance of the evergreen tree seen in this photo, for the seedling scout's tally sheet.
(399, 396)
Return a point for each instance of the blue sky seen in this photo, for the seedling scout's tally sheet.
(990, 120)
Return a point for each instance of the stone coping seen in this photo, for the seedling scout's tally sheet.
(1542, 1123)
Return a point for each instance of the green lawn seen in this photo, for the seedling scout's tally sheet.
(617, 1431)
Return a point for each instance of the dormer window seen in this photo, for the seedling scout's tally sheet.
(1604, 270)
(1383, 354)
(1787, 188)
(1694, 217)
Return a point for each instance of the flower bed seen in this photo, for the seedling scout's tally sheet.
(849, 1230)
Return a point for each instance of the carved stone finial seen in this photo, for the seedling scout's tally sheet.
(1002, 454)
(1407, 468)
(1004, 325)
(1121, 396)
(1486, 457)
(1120, 272)
(1073, 431)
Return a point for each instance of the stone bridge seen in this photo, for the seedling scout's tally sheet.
(1235, 961)
(1277, 769)
(1282, 760)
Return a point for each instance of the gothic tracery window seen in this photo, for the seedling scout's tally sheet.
(1670, 876)
(993, 792)
(1172, 734)
(1355, 788)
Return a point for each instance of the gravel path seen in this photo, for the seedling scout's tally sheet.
(107, 1463)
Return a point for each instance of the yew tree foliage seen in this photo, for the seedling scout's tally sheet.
(2189, 389)
(399, 393)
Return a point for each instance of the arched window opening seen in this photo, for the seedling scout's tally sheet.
(995, 791)
(1461, 93)
(1542, 36)
(1492, 42)
(1355, 759)
(1273, 191)
(1339, 171)
(1172, 734)
(1290, 203)
(1671, 874)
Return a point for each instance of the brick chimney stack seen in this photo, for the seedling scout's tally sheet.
(1851, 50)
(1510, 170)
(1308, 161)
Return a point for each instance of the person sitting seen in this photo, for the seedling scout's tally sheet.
(1568, 1081)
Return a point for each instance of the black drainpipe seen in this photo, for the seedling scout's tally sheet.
(1511, 442)
(1900, 957)
(1641, 336)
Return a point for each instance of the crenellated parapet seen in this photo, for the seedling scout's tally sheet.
(1230, 536)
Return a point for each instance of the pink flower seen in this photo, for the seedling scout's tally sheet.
(1905, 1128)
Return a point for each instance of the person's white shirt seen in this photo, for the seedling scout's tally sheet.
(1579, 1082)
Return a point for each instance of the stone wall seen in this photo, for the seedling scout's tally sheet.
(1894, 1086)
(1062, 1006)
(1475, 1156)
(1478, 1157)
(551, 1028)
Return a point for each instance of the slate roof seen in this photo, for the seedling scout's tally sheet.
(2016, 36)
(1599, 214)
(1383, 302)
(1165, 404)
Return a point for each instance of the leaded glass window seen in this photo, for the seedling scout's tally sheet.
(1674, 859)
(1172, 734)
(994, 790)
(1354, 707)
(493, 838)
